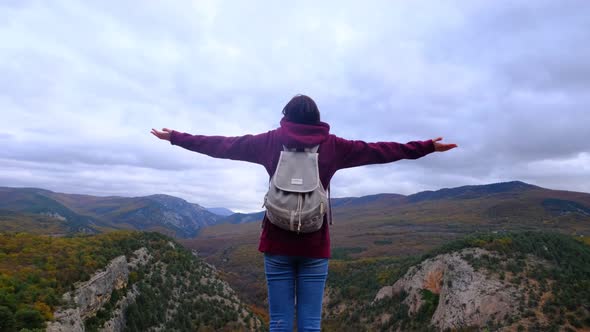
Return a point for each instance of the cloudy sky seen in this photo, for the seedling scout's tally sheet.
(83, 82)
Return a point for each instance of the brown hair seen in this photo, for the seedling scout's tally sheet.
(302, 109)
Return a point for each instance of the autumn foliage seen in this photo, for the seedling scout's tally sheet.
(36, 270)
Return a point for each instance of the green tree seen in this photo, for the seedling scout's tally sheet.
(7, 322)
(27, 318)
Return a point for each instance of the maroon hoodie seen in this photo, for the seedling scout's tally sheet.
(334, 153)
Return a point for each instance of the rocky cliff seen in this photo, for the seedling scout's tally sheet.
(528, 281)
(117, 281)
(159, 287)
(90, 296)
(466, 297)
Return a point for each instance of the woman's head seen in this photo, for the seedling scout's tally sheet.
(302, 109)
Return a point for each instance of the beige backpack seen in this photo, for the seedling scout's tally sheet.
(296, 199)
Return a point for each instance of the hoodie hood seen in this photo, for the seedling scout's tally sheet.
(303, 135)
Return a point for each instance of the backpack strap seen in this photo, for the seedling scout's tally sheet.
(330, 218)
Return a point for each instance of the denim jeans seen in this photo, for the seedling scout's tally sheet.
(294, 281)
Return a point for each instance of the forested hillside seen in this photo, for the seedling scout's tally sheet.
(548, 273)
(157, 282)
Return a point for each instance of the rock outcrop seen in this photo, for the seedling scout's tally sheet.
(179, 291)
(466, 297)
(89, 296)
(117, 321)
(66, 320)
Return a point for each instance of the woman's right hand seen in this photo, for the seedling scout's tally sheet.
(442, 147)
(164, 134)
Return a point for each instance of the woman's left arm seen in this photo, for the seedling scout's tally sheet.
(246, 148)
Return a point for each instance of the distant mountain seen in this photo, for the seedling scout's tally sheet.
(44, 211)
(242, 218)
(491, 206)
(506, 194)
(27, 209)
(449, 212)
(351, 202)
(220, 211)
(383, 199)
(471, 192)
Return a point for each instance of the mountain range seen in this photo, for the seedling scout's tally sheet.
(492, 206)
(46, 212)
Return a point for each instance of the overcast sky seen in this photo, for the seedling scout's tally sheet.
(83, 82)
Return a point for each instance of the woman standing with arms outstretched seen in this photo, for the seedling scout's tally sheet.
(296, 265)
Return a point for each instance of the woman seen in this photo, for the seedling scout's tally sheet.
(296, 265)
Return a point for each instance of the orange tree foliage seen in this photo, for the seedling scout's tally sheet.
(36, 270)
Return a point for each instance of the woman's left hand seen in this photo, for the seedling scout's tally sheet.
(441, 147)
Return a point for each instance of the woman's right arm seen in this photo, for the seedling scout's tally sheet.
(352, 153)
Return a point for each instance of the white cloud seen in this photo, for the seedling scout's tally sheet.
(82, 83)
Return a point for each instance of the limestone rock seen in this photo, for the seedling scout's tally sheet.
(91, 295)
(384, 292)
(117, 321)
(466, 297)
(67, 320)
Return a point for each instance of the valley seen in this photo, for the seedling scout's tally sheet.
(377, 241)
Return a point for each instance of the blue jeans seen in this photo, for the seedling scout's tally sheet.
(293, 279)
